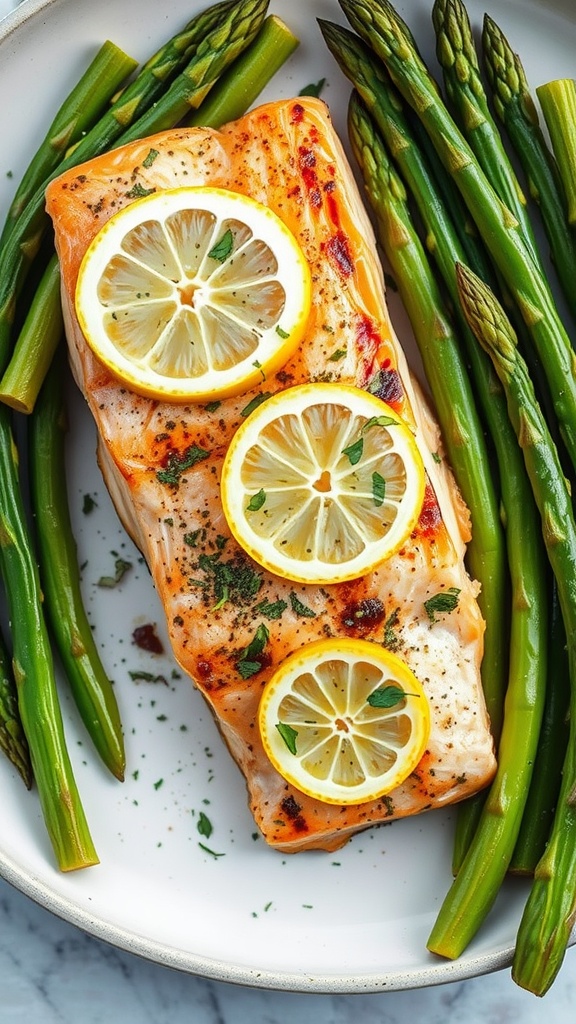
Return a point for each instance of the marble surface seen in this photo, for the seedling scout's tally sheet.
(52, 973)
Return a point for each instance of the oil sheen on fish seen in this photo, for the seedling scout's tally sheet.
(286, 155)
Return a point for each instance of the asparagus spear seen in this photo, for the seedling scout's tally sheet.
(242, 83)
(34, 674)
(515, 108)
(549, 912)
(498, 228)
(79, 111)
(148, 88)
(486, 557)
(457, 56)
(91, 688)
(558, 102)
(214, 55)
(547, 774)
(36, 343)
(12, 738)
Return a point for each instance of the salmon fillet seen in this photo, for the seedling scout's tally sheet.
(286, 155)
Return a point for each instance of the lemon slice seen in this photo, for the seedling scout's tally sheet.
(193, 294)
(322, 482)
(344, 720)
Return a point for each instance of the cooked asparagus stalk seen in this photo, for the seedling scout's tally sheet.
(497, 226)
(548, 916)
(92, 690)
(515, 108)
(457, 56)
(12, 739)
(34, 672)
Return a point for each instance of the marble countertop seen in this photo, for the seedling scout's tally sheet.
(52, 973)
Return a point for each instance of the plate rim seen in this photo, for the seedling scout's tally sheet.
(165, 955)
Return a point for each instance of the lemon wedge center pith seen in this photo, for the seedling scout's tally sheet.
(193, 293)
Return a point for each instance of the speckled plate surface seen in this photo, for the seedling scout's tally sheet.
(352, 921)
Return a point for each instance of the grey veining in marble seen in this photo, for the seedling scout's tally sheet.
(54, 974)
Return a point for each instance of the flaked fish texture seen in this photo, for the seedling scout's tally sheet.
(286, 155)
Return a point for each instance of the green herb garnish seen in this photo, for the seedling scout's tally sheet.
(445, 601)
(223, 248)
(178, 464)
(121, 567)
(300, 609)
(256, 401)
(256, 501)
(378, 489)
(289, 735)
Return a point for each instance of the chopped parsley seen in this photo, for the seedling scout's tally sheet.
(282, 334)
(223, 248)
(378, 489)
(138, 191)
(204, 825)
(233, 580)
(313, 88)
(387, 696)
(150, 158)
(289, 735)
(272, 609)
(88, 504)
(256, 501)
(445, 601)
(121, 567)
(177, 464)
(249, 662)
(391, 641)
(301, 609)
(256, 401)
(354, 451)
(337, 355)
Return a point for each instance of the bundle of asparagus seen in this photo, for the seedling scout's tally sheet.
(414, 148)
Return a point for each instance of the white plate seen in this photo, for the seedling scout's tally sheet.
(352, 921)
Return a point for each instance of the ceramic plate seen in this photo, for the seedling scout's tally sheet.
(352, 921)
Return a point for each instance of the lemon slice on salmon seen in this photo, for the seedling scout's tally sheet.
(344, 720)
(322, 483)
(193, 294)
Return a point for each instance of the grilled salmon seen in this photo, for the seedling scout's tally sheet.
(287, 155)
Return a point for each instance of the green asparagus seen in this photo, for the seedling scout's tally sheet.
(214, 55)
(79, 111)
(457, 56)
(498, 228)
(515, 108)
(36, 343)
(34, 672)
(242, 83)
(91, 688)
(549, 912)
(547, 774)
(558, 102)
(12, 739)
